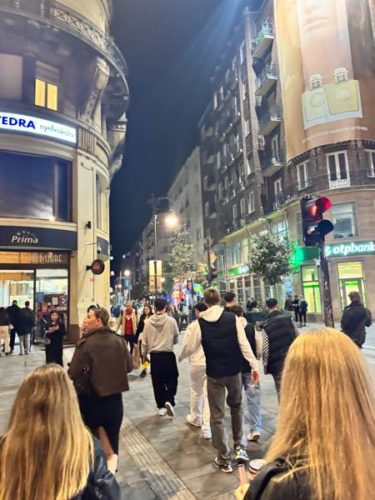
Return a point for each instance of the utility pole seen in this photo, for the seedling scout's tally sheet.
(326, 286)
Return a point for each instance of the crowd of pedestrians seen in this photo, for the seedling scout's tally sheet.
(325, 432)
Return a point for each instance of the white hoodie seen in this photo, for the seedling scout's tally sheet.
(194, 341)
(160, 333)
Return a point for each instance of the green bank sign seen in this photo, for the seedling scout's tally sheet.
(349, 249)
(238, 271)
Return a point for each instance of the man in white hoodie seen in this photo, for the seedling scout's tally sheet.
(224, 343)
(160, 333)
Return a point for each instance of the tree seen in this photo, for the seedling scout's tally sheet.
(270, 257)
(181, 260)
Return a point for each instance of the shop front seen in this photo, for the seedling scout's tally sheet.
(35, 267)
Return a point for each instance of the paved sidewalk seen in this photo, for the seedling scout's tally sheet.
(161, 457)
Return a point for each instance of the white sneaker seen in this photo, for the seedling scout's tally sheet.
(169, 409)
(253, 436)
(162, 412)
(195, 422)
(207, 434)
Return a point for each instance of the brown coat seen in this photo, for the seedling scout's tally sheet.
(109, 361)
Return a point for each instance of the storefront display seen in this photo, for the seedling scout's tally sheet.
(351, 279)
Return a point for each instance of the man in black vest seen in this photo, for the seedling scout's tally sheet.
(279, 332)
(230, 301)
(224, 343)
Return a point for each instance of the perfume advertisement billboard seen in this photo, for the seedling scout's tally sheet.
(327, 70)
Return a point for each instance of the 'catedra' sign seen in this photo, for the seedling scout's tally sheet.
(37, 126)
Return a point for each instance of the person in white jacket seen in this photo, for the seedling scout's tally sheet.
(199, 415)
(224, 342)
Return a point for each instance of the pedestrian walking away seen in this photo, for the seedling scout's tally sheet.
(4, 331)
(13, 312)
(355, 318)
(99, 368)
(26, 323)
(147, 312)
(54, 337)
(160, 334)
(279, 332)
(252, 389)
(326, 427)
(199, 415)
(224, 343)
(46, 428)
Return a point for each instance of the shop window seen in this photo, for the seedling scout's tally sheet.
(303, 175)
(370, 153)
(311, 289)
(351, 279)
(46, 86)
(338, 170)
(251, 204)
(344, 220)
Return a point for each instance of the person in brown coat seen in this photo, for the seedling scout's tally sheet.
(99, 369)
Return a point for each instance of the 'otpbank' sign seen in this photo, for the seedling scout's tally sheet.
(349, 249)
(37, 126)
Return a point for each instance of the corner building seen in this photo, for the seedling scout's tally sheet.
(63, 102)
(287, 119)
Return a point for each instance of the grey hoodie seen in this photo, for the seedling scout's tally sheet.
(159, 334)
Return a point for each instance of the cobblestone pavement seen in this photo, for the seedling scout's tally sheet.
(161, 457)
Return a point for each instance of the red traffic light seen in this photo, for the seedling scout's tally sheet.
(323, 204)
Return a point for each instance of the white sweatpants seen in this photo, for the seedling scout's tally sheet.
(199, 408)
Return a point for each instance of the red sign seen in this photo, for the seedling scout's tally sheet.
(98, 266)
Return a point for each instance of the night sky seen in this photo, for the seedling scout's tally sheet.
(171, 47)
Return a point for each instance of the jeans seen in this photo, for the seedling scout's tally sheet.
(217, 389)
(253, 398)
(199, 408)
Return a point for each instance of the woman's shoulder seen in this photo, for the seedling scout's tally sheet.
(277, 481)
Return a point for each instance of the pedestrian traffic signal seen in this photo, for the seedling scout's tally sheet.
(314, 227)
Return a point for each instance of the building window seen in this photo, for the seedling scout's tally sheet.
(275, 148)
(242, 52)
(220, 191)
(207, 209)
(215, 100)
(205, 183)
(242, 207)
(234, 64)
(370, 153)
(351, 279)
(221, 93)
(311, 289)
(46, 94)
(234, 213)
(280, 228)
(218, 160)
(226, 183)
(278, 188)
(338, 170)
(246, 127)
(244, 89)
(251, 203)
(344, 220)
(303, 175)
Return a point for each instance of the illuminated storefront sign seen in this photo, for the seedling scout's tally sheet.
(348, 249)
(37, 126)
(238, 271)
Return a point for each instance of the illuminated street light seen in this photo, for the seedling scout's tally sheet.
(127, 273)
(171, 220)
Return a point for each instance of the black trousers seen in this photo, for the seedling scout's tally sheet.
(302, 316)
(13, 332)
(54, 350)
(164, 376)
(106, 412)
(131, 340)
(296, 315)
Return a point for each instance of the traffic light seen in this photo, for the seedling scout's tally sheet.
(314, 227)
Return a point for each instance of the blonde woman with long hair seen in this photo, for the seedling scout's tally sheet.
(47, 453)
(324, 444)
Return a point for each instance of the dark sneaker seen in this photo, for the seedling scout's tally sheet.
(240, 454)
(169, 408)
(143, 373)
(223, 465)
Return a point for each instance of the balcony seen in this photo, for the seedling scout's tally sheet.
(269, 120)
(272, 164)
(263, 40)
(301, 186)
(267, 79)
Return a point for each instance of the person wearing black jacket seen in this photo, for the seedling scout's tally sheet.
(26, 323)
(279, 332)
(54, 336)
(230, 301)
(4, 330)
(355, 318)
(13, 312)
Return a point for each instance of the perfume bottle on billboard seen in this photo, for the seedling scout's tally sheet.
(314, 102)
(343, 96)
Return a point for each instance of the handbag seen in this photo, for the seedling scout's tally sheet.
(82, 383)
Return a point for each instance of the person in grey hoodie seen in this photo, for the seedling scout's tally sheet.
(160, 333)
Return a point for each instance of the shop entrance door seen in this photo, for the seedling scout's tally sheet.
(347, 286)
(351, 279)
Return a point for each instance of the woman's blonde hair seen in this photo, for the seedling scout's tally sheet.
(327, 416)
(47, 451)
